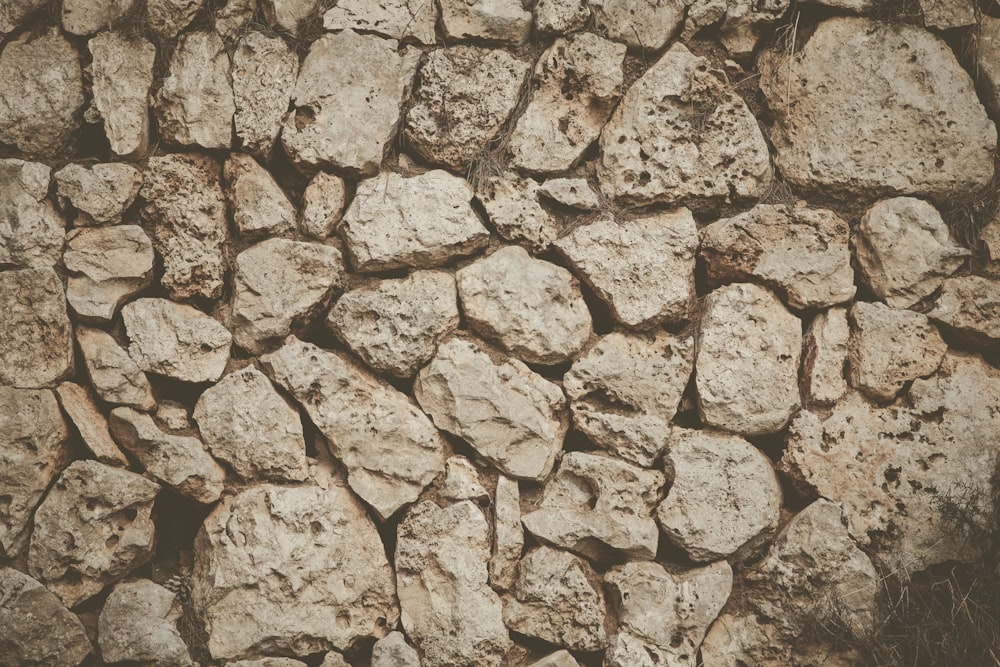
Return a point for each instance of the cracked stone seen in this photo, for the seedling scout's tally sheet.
(508, 533)
(31, 231)
(36, 336)
(970, 304)
(107, 265)
(511, 202)
(101, 193)
(259, 206)
(504, 21)
(38, 630)
(115, 377)
(396, 19)
(122, 72)
(80, 406)
(138, 623)
(824, 357)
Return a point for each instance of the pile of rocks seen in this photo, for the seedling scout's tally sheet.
(472, 333)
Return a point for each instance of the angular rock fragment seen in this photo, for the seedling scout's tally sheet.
(31, 231)
(740, 23)
(823, 381)
(108, 265)
(461, 481)
(396, 19)
(322, 205)
(122, 72)
(289, 13)
(259, 206)
(101, 193)
(560, 16)
(948, 14)
(390, 449)
(176, 341)
(504, 21)
(747, 360)
(281, 285)
(36, 337)
(93, 528)
(138, 623)
(290, 569)
(85, 17)
(38, 630)
(79, 405)
(173, 415)
(576, 84)
(642, 24)
(264, 72)
(448, 611)
(168, 17)
(281, 662)
(115, 377)
(511, 202)
(231, 18)
(509, 414)
(508, 534)
(393, 651)
(15, 11)
(572, 192)
(987, 61)
(970, 304)
(562, 658)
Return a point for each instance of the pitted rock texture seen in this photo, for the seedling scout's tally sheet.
(139, 624)
(31, 231)
(264, 72)
(36, 336)
(38, 629)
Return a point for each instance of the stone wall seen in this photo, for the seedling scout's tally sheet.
(478, 332)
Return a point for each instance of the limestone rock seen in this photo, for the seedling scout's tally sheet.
(331, 659)
(510, 415)
(38, 630)
(988, 61)
(229, 419)
(747, 360)
(393, 651)
(31, 231)
(970, 304)
(825, 355)
(421, 221)
(530, 307)
(448, 611)
(834, 135)
(504, 21)
(281, 285)
(739, 23)
(643, 268)
(560, 16)
(598, 506)
(318, 131)
(139, 624)
(36, 337)
(801, 252)
(107, 265)
(905, 250)
(101, 193)
(231, 19)
(390, 449)
(681, 133)
(259, 206)
(195, 105)
(290, 569)
(396, 19)
(461, 480)
(948, 14)
(642, 24)
(187, 214)
(168, 17)
(79, 405)
(15, 11)
(180, 462)
(93, 528)
(322, 205)
(34, 446)
(173, 415)
(280, 662)
(572, 192)
(122, 71)
(395, 325)
(576, 84)
(465, 95)
(626, 389)
(508, 534)
(562, 658)
(264, 72)
(175, 340)
(511, 202)
(115, 377)
(85, 17)
(890, 347)
(41, 91)
(287, 14)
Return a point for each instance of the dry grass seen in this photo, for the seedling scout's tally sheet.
(967, 215)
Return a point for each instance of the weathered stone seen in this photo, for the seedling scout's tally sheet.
(229, 419)
(36, 337)
(504, 21)
(682, 133)
(38, 630)
(178, 461)
(279, 662)
(572, 192)
(232, 18)
(390, 449)
(560, 16)
(530, 307)
(740, 23)
(79, 405)
(421, 221)
(281, 285)
(396, 19)
(562, 658)
(173, 415)
(576, 84)
(987, 59)
(187, 214)
(448, 611)
(108, 265)
(122, 72)
(290, 570)
(342, 118)
(289, 13)
(825, 354)
(747, 360)
(175, 340)
(168, 17)
(259, 206)
(642, 24)
(890, 347)
(195, 105)
(461, 481)
(948, 14)
(970, 304)
(508, 534)
(510, 415)
(331, 659)
(834, 135)
(905, 250)
(465, 95)
(393, 651)
(264, 72)
(643, 268)
(41, 91)
(801, 252)
(138, 623)
(31, 231)
(15, 11)
(115, 377)
(511, 202)
(101, 193)
(598, 506)
(85, 17)
(93, 528)
(322, 205)
(626, 389)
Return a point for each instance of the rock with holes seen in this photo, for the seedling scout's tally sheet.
(834, 135)
(80, 406)
(293, 570)
(195, 105)
(971, 305)
(509, 414)
(461, 481)
(38, 630)
(167, 18)
(801, 252)
(511, 202)
(122, 72)
(264, 72)
(576, 84)
(281, 285)
(646, 25)
(508, 534)
(393, 651)
(115, 377)
(824, 357)
(599, 507)
(100, 193)
(228, 415)
(318, 131)
(85, 17)
(259, 206)
(681, 133)
(31, 231)
(747, 360)
(889, 347)
(138, 623)
(740, 23)
(36, 336)
(107, 266)
(396, 19)
(503, 21)
(322, 205)
(572, 192)
(560, 16)
(448, 610)
(93, 528)
(625, 390)
(389, 447)
(395, 325)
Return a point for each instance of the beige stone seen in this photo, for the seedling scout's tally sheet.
(322, 205)
(168, 17)
(122, 71)
(107, 265)
(31, 231)
(740, 23)
(461, 481)
(38, 629)
(101, 193)
(642, 24)
(572, 192)
(503, 21)
(115, 377)
(264, 72)
(508, 534)
(79, 405)
(195, 105)
(259, 207)
(85, 17)
(287, 14)
(393, 651)
(824, 358)
(511, 202)
(15, 11)
(231, 18)
(562, 658)
(949, 14)
(988, 61)
(36, 337)
(138, 623)
(970, 304)
(396, 19)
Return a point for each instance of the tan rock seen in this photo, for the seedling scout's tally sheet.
(322, 205)
(560, 16)
(264, 72)
(259, 206)
(36, 337)
(511, 202)
(15, 11)
(508, 534)
(281, 662)
(79, 405)
(970, 304)
(396, 19)
(504, 21)
(122, 71)
(740, 23)
(31, 231)
(562, 658)
(195, 105)
(101, 193)
(168, 17)
(824, 357)
(988, 61)
(461, 481)
(232, 18)
(173, 415)
(393, 651)
(289, 13)
(642, 24)
(949, 14)
(115, 377)
(138, 623)
(85, 17)
(38, 629)
(107, 265)
(572, 192)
